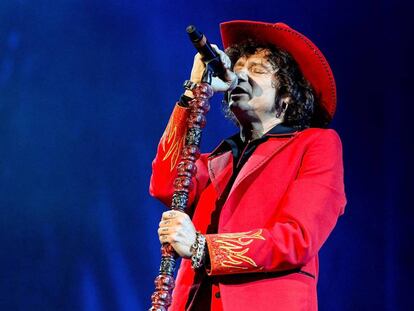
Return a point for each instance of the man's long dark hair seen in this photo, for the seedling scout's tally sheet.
(303, 110)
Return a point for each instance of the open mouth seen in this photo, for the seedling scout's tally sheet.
(239, 91)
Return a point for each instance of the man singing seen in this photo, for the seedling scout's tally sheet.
(266, 199)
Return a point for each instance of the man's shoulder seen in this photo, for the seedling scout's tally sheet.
(322, 139)
(319, 133)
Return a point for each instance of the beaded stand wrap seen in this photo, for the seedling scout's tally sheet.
(186, 168)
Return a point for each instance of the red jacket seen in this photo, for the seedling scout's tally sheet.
(280, 210)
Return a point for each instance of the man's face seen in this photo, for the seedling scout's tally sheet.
(254, 97)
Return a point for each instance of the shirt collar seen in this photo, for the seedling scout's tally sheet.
(234, 142)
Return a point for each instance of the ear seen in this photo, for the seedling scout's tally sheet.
(284, 104)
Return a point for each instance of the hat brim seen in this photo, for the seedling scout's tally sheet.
(309, 58)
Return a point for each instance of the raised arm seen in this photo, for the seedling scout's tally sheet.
(164, 165)
(172, 141)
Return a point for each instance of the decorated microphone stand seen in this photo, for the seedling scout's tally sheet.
(186, 170)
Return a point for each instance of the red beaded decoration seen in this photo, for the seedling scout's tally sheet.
(186, 168)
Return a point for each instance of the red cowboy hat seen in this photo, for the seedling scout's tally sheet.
(310, 59)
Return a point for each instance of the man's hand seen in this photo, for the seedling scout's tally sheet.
(177, 229)
(218, 85)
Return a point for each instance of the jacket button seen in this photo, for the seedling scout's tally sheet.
(217, 295)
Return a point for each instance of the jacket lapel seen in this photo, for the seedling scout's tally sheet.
(260, 156)
(220, 169)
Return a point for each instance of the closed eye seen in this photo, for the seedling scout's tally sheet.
(258, 70)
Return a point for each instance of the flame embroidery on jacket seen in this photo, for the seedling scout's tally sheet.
(230, 249)
(172, 143)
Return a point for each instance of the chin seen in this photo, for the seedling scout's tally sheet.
(239, 104)
(241, 110)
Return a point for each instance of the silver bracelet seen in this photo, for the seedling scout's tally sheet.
(189, 85)
(198, 250)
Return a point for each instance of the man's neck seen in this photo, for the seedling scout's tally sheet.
(257, 129)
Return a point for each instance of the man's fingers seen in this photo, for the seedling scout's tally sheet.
(164, 239)
(197, 56)
(169, 215)
(176, 216)
(223, 56)
(163, 230)
(164, 223)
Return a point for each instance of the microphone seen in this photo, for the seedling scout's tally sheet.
(209, 55)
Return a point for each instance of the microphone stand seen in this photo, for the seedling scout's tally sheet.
(186, 168)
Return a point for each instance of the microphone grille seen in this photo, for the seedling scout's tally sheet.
(190, 29)
(194, 34)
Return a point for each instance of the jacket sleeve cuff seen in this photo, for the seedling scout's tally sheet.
(231, 253)
(184, 101)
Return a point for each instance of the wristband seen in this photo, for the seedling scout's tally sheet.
(189, 85)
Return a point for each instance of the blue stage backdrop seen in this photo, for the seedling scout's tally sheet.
(86, 88)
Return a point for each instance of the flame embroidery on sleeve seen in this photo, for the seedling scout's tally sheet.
(172, 143)
(230, 250)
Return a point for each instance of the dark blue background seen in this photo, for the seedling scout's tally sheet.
(86, 88)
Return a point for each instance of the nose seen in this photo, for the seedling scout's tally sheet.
(242, 75)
